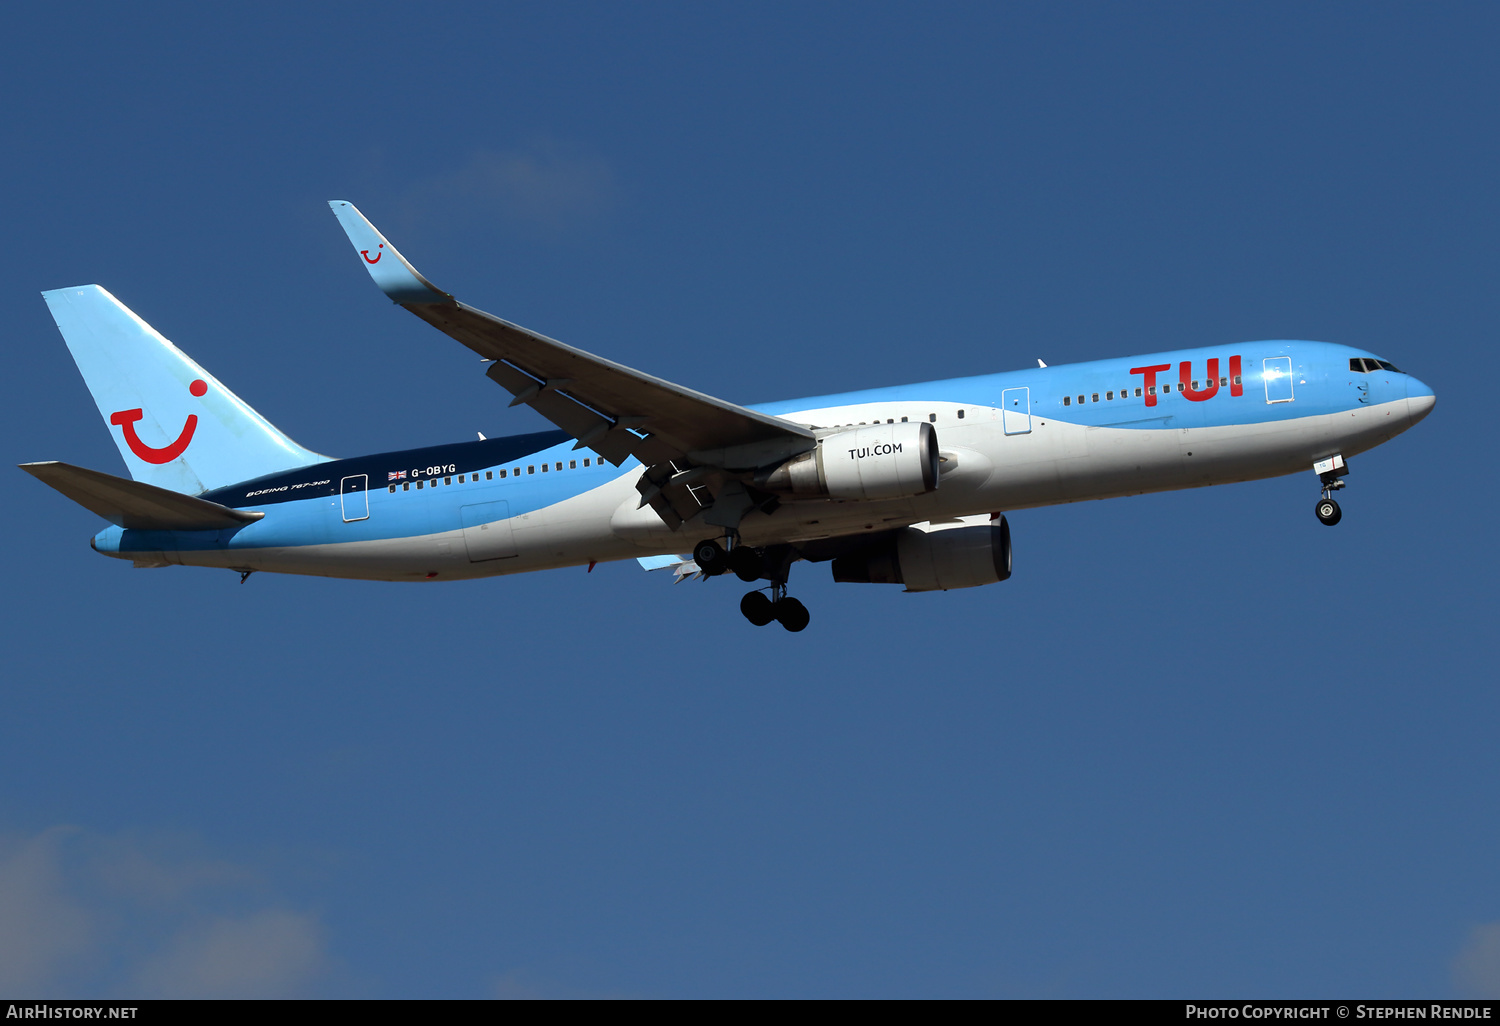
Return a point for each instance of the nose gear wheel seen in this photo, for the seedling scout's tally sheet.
(1327, 509)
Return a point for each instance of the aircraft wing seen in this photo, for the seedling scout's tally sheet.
(610, 408)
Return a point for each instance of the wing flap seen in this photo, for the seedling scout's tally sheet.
(135, 505)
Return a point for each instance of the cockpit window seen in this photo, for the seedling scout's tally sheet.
(1367, 366)
(1356, 364)
(1386, 365)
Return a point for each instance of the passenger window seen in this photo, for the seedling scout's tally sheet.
(890, 420)
(1096, 397)
(559, 466)
(572, 464)
(460, 479)
(1151, 390)
(1109, 395)
(903, 420)
(393, 489)
(531, 469)
(1080, 400)
(960, 414)
(1138, 393)
(419, 486)
(1236, 379)
(1166, 388)
(447, 480)
(585, 463)
(489, 475)
(1067, 400)
(932, 417)
(544, 468)
(406, 487)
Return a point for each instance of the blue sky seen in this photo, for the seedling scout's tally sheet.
(1198, 745)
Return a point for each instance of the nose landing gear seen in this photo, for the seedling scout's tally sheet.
(1330, 471)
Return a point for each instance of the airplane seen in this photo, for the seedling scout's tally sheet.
(900, 485)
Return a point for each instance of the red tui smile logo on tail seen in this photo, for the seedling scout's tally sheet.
(127, 418)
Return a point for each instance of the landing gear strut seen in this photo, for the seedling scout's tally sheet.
(1330, 472)
(750, 564)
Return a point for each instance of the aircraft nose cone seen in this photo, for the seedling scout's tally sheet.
(1419, 399)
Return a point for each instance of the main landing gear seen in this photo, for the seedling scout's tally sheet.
(1330, 473)
(751, 564)
(743, 561)
(760, 609)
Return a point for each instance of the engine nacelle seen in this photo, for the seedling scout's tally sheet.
(881, 461)
(935, 558)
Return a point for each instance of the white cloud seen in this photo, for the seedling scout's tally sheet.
(85, 913)
(1476, 970)
(517, 986)
(270, 954)
(551, 187)
(42, 929)
(524, 985)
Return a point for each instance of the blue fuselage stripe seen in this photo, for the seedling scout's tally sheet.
(304, 507)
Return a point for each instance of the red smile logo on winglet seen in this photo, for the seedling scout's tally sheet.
(127, 418)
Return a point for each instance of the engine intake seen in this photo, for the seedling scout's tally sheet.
(934, 558)
(881, 461)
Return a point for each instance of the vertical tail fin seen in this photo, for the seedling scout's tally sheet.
(176, 426)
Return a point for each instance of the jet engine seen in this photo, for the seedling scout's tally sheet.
(881, 461)
(939, 557)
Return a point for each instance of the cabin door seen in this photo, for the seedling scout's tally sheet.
(1015, 405)
(1277, 370)
(353, 498)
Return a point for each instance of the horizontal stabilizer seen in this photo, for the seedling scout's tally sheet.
(135, 505)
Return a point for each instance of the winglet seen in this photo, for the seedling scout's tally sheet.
(396, 277)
